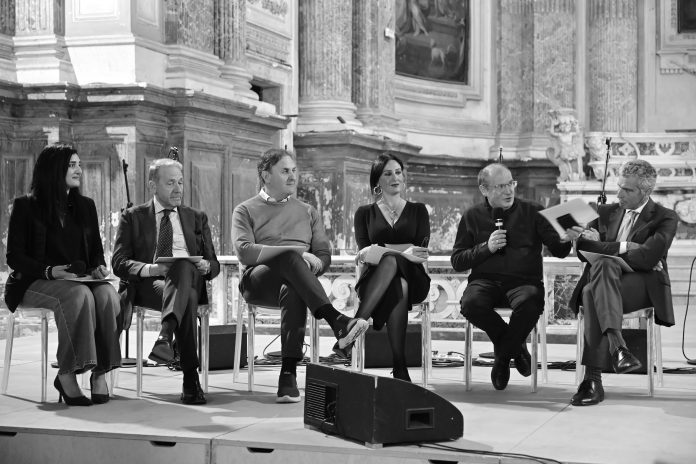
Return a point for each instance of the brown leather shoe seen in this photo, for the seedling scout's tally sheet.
(162, 351)
(589, 392)
(624, 361)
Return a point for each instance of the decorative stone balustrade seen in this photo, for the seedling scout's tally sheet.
(446, 289)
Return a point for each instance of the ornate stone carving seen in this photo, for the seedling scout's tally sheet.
(566, 152)
(7, 17)
(190, 23)
(597, 149)
(275, 7)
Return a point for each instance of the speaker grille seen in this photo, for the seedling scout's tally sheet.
(320, 405)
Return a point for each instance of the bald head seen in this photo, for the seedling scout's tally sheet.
(496, 184)
(491, 170)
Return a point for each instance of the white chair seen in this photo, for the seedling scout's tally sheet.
(204, 316)
(43, 315)
(251, 326)
(654, 345)
(538, 332)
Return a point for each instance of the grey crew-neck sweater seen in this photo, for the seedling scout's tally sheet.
(256, 222)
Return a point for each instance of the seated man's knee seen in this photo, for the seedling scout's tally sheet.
(532, 299)
(286, 258)
(182, 266)
(471, 306)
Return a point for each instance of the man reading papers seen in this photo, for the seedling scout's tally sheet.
(287, 279)
(639, 231)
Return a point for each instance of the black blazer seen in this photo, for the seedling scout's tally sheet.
(26, 245)
(654, 230)
(136, 241)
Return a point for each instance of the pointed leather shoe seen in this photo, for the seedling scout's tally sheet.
(500, 373)
(624, 361)
(589, 392)
(162, 351)
(193, 394)
(523, 361)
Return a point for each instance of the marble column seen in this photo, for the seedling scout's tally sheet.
(554, 59)
(612, 65)
(40, 51)
(326, 71)
(7, 30)
(374, 66)
(230, 45)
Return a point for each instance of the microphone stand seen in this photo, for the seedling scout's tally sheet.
(128, 361)
(602, 198)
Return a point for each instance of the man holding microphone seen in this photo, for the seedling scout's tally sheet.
(500, 240)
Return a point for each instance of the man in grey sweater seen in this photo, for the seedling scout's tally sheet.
(288, 280)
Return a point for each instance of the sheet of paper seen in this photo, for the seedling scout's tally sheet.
(109, 278)
(375, 253)
(593, 257)
(270, 251)
(171, 259)
(570, 213)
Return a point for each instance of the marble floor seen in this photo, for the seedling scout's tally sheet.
(510, 426)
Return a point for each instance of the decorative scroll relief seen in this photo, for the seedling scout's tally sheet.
(275, 7)
(673, 156)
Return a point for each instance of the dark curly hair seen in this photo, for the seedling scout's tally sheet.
(48, 187)
(378, 167)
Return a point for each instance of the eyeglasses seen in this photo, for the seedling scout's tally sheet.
(500, 187)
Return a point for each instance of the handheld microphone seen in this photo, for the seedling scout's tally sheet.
(77, 267)
(498, 219)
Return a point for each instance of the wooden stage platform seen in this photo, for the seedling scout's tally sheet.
(241, 427)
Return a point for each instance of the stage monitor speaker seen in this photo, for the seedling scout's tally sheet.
(221, 341)
(378, 351)
(376, 410)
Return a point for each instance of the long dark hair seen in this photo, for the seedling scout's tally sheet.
(378, 167)
(48, 187)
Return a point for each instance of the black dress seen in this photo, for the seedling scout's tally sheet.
(413, 226)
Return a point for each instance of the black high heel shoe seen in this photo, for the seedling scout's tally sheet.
(81, 400)
(98, 398)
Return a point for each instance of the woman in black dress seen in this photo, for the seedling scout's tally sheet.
(389, 288)
(53, 236)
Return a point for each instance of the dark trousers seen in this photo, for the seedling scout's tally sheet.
(608, 295)
(285, 281)
(175, 294)
(480, 298)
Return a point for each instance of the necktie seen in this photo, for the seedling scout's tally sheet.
(626, 226)
(166, 235)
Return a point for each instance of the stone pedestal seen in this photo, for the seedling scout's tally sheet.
(326, 70)
(39, 43)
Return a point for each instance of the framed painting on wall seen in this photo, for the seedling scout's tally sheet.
(433, 39)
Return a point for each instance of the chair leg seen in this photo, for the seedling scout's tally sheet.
(468, 356)
(139, 316)
(358, 354)
(542, 342)
(44, 355)
(651, 354)
(313, 339)
(426, 347)
(658, 355)
(580, 346)
(8, 353)
(250, 347)
(535, 351)
(205, 348)
(238, 342)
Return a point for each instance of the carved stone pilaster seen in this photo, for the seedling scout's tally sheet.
(554, 59)
(191, 62)
(515, 71)
(374, 66)
(230, 45)
(613, 65)
(325, 55)
(40, 51)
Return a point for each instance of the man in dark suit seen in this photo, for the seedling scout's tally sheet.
(163, 227)
(640, 231)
